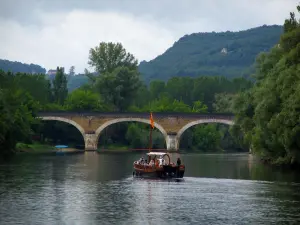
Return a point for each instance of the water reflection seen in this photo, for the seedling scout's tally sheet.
(93, 189)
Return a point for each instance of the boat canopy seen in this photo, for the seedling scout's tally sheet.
(157, 153)
(61, 146)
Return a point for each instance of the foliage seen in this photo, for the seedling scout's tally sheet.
(119, 87)
(72, 71)
(207, 137)
(83, 100)
(268, 113)
(187, 90)
(17, 112)
(223, 103)
(106, 57)
(18, 67)
(60, 90)
(200, 54)
(36, 85)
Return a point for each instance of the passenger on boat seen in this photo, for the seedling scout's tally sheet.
(151, 162)
(141, 160)
(160, 161)
(156, 163)
(178, 161)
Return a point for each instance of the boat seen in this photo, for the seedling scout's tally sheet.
(159, 164)
(60, 149)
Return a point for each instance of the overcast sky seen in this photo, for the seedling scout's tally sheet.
(60, 32)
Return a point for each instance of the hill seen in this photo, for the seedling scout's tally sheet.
(15, 67)
(229, 54)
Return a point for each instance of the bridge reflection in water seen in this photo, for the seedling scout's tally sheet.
(171, 125)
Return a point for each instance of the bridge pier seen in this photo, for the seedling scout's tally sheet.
(172, 142)
(90, 142)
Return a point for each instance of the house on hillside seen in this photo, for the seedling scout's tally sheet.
(51, 72)
(224, 51)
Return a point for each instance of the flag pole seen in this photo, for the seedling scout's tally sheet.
(150, 139)
(151, 127)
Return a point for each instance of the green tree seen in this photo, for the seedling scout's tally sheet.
(135, 137)
(199, 107)
(223, 102)
(17, 114)
(119, 87)
(60, 90)
(268, 114)
(72, 71)
(84, 100)
(36, 85)
(207, 138)
(106, 57)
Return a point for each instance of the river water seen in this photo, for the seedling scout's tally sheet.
(94, 188)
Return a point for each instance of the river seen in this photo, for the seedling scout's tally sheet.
(94, 188)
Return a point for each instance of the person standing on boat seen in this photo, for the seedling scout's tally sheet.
(160, 160)
(151, 162)
(141, 161)
(178, 161)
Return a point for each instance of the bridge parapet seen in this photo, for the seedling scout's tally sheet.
(156, 115)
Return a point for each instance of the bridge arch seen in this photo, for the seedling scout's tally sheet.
(72, 122)
(114, 121)
(196, 122)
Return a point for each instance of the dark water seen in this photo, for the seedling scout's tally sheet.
(99, 189)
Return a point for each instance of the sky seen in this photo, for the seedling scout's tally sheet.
(55, 33)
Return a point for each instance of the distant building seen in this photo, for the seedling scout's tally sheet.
(51, 72)
(224, 51)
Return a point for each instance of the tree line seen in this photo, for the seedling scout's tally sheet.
(268, 113)
(118, 87)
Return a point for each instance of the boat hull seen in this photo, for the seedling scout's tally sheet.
(165, 172)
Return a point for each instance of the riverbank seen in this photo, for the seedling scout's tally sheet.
(281, 164)
(38, 148)
(34, 148)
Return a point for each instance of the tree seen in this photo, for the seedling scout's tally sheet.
(108, 56)
(37, 85)
(223, 102)
(119, 87)
(83, 100)
(268, 113)
(199, 107)
(72, 71)
(207, 137)
(17, 114)
(60, 90)
(156, 87)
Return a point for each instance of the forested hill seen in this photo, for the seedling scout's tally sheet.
(229, 54)
(15, 67)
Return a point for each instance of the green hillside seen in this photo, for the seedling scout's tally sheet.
(16, 67)
(192, 55)
(201, 54)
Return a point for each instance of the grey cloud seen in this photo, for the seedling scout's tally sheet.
(34, 29)
(229, 13)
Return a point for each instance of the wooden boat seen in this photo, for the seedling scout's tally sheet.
(158, 165)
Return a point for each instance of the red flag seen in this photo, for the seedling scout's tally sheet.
(151, 120)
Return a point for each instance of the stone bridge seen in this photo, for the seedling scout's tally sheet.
(171, 125)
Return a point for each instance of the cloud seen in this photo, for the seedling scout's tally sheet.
(60, 33)
(65, 39)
